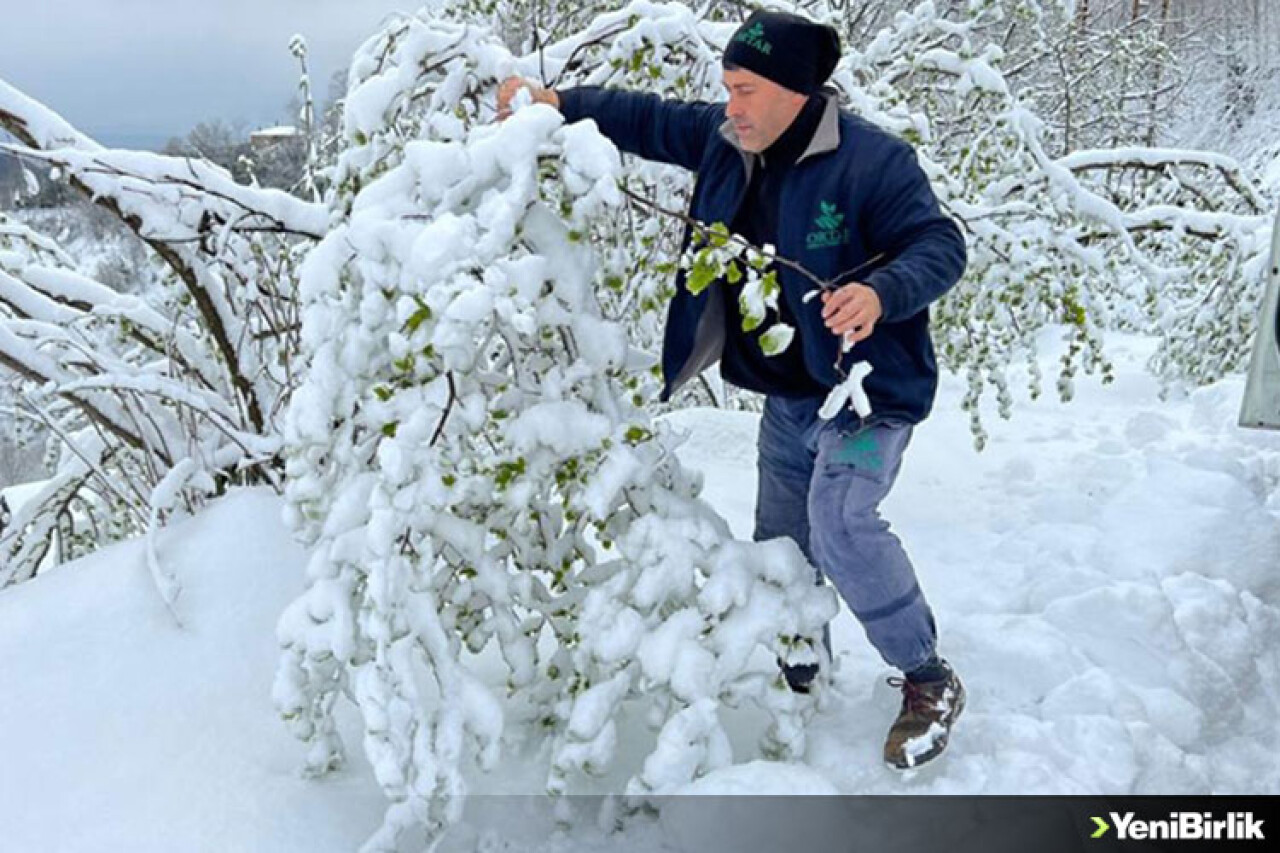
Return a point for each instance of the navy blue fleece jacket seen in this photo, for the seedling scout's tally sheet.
(856, 199)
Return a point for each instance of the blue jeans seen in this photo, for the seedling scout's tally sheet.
(821, 484)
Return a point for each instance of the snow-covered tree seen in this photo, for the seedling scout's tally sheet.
(470, 462)
(158, 398)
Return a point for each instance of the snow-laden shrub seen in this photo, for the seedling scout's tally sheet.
(68, 343)
(159, 398)
(470, 463)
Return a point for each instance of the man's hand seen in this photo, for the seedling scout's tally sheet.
(507, 93)
(851, 311)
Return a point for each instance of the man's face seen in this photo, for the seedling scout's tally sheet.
(759, 108)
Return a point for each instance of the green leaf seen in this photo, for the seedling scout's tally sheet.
(776, 339)
(418, 317)
(702, 274)
(508, 471)
(718, 235)
(637, 434)
(769, 285)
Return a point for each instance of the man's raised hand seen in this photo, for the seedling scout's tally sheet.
(507, 94)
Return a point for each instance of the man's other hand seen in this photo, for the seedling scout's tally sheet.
(509, 87)
(851, 311)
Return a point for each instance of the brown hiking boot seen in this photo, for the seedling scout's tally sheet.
(924, 723)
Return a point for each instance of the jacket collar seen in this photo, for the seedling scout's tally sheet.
(826, 137)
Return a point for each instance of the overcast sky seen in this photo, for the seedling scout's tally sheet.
(136, 72)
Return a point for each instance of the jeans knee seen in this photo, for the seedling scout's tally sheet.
(865, 520)
(844, 504)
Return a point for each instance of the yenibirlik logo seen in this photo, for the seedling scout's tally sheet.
(1183, 826)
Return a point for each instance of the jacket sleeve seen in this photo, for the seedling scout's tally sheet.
(675, 132)
(926, 250)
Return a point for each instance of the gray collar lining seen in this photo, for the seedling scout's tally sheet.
(826, 138)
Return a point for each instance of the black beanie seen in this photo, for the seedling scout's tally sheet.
(791, 51)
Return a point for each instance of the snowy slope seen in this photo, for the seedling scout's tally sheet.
(1105, 575)
(121, 731)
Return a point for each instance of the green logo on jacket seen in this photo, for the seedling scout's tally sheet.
(828, 228)
(753, 36)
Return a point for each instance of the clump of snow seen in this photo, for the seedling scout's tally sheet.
(849, 391)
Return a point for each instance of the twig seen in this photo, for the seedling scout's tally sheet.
(705, 230)
(92, 469)
(448, 407)
(706, 386)
(568, 63)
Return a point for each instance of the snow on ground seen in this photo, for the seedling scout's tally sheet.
(121, 731)
(19, 494)
(1106, 577)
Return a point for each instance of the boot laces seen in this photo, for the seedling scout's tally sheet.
(915, 699)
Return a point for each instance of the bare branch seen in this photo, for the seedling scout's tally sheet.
(448, 407)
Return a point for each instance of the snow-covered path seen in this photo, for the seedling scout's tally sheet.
(1106, 578)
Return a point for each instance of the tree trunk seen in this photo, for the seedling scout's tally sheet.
(1153, 104)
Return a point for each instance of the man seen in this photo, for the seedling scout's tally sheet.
(834, 194)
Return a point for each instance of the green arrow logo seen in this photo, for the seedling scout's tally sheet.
(1102, 828)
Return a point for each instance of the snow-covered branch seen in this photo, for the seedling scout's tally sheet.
(1163, 159)
(37, 126)
(201, 202)
(195, 367)
(195, 218)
